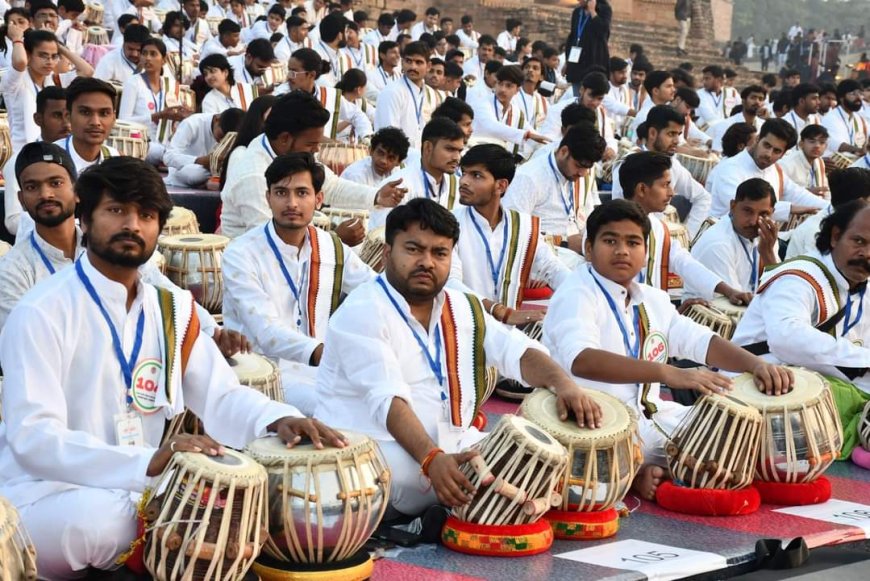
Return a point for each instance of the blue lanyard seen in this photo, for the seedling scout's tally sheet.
(753, 259)
(158, 100)
(812, 174)
(434, 362)
(847, 325)
(418, 108)
(126, 365)
(383, 74)
(569, 206)
(581, 26)
(293, 288)
(129, 64)
(267, 147)
(336, 70)
(430, 191)
(359, 60)
(867, 160)
(849, 127)
(525, 107)
(716, 102)
(41, 254)
(494, 268)
(633, 351)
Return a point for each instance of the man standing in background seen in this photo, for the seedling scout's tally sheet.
(683, 14)
(586, 45)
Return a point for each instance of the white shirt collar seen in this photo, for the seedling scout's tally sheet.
(617, 291)
(108, 290)
(437, 306)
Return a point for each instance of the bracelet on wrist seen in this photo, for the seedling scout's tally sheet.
(424, 465)
(506, 315)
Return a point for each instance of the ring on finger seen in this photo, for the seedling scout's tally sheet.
(172, 446)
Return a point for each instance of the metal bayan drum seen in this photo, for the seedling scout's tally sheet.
(193, 262)
(323, 504)
(259, 373)
(129, 139)
(17, 554)
(602, 463)
(209, 521)
(801, 433)
(337, 156)
(181, 221)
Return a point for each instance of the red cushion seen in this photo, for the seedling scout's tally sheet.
(537, 294)
(796, 494)
(707, 501)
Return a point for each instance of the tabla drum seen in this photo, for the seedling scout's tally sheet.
(625, 129)
(723, 305)
(119, 91)
(181, 221)
(801, 434)
(323, 504)
(193, 262)
(259, 373)
(213, 23)
(713, 318)
(671, 215)
(279, 72)
(679, 233)
(705, 225)
(794, 220)
(321, 220)
(516, 475)
(96, 35)
(219, 154)
(93, 13)
(337, 156)
(716, 444)
(864, 428)
(5, 140)
(372, 251)
(209, 519)
(337, 216)
(839, 160)
(129, 139)
(17, 554)
(602, 463)
(699, 167)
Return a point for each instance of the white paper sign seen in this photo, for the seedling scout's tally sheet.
(661, 562)
(841, 512)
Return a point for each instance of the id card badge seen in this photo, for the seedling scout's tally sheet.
(129, 430)
(449, 437)
(574, 54)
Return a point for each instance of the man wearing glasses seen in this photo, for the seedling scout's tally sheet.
(35, 58)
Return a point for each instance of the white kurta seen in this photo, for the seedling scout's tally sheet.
(534, 107)
(579, 317)
(377, 79)
(404, 105)
(785, 315)
(114, 66)
(729, 256)
(363, 172)
(474, 67)
(199, 32)
(733, 171)
(19, 92)
(844, 127)
(799, 169)
(862, 162)
(617, 101)
(718, 129)
(420, 184)
(287, 47)
(241, 95)
(419, 28)
(192, 138)
(495, 123)
(715, 107)
(468, 40)
(799, 122)
(339, 63)
(803, 238)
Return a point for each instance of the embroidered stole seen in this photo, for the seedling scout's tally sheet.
(171, 98)
(819, 169)
(452, 188)
(325, 276)
(331, 100)
(658, 254)
(816, 274)
(181, 328)
(514, 118)
(463, 329)
(246, 94)
(523, 232)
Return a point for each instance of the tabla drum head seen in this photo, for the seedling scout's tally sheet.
(808, 386)
(250, 366)
(231, 465)
(271, 451)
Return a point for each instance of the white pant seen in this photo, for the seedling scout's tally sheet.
(685, 25)
(155, 153)
(190, 176)
(300, 386)
(668, 417)
(77, 529)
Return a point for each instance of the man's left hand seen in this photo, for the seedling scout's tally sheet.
(572, 399)
(291, 431)
(773, 379)
(231, 342)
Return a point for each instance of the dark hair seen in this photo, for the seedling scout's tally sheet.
(227, 26)
(252, 126)
(495, 158)
(714, 70)
(391, 139)
(432, 11)
(260, 48)
(428, 40)
(385, 46)
(277, 9)
(584, 143)
(440, 128)
(782, 102)
(136, 33)
(386, 19)
(453, 39)
(71, 5)
(291, 164)
(852, 183)
(500, 52)
(453, 109)
(686, 66)
(360, 16)
(790, 73)
(511, 74)
(635, 48)
(644, 167)
(351, 80)
(417, 49)
(576, 113)
(83, 85)
(689, 97)
(656, 79)
(405, 15)
(427, 214)
(50, 93)
(511, 23)
(755, 189)
(175, 17)
(617, 64)
(769, 79)
(597, 83)
(840, 219)
(452, 70)
(660, 116)
(735, 136)
(826, 88)
(683, 76)
(37, 5)
(218, 61)
(33, 38)
(642, 66)
(747, 91)
(802, 91)
(126, 180)
(311, 61)
(332, 26)
(295, 112)
(157, 44)
(779, 128)
(813, 131)
(467, 19)
(231, 119)
(847, 86)
(616, 211)
(486, 39)
(492, 67)
(295, 22)
(549, 52)
(436, 62)
(642, 131)
(452, 54)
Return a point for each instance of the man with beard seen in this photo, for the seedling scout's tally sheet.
(90, 378)
(805, 101)
(119, 65)
(739, 248)
(716, 100)
(408, 102)
(846, 126)
(618, 100)
(753, 113)
(412, 381)
(329, 48)
(827, 98)
(804, 164)
(760, 161)
(533, 105)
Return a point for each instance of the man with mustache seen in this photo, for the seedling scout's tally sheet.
(811, 311)
(91, 106)
(407, 102)
(282, 281)
(413, 380)
(95, 362)
(845, 124)
(753, 113)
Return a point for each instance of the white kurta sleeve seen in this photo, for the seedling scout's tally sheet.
(562, 335)
(800, 196)
(362, 127)
(182, 146)
(838, 133)
(127, 110)
(505, 346)
(342, 193)
(356, 272)
(247, 198)
(389, 113)
(720, 260)
(686, 186)
(547, 267)
(723, 190)
(684, 264)
(522, 194)
(614, 106)
(488, 126)
(687, 339)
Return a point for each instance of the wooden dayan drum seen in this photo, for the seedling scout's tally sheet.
(801, 434)
(372, 251)
(337, 156)
(129, 139)
(210, 521)
(711, 317)
(193, 262)
(699, 167)
(259, 373)
(181, 221)
(17, 554)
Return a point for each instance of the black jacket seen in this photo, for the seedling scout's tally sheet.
(593, 42)
(683, 9)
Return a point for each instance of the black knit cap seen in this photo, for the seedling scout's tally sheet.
(44, 152)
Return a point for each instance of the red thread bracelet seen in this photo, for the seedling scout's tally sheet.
(424, 465)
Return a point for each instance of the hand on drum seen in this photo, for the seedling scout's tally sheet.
(451, 486)
(773, 379)
(703, 381)
(390, 194)
(291, 431)
(182, 443)
(524, 317)
(231, 342)
(736, 297)
(571, 400)
(351, 232)
(685, 305)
